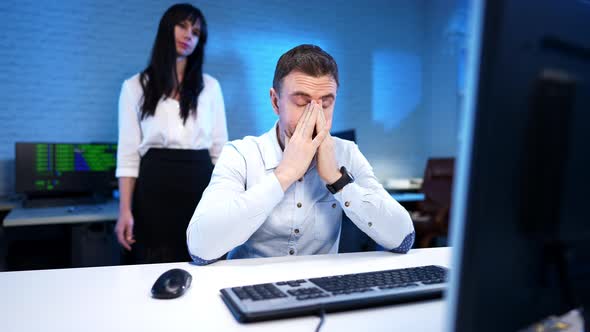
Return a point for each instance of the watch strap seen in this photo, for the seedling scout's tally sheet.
(341, 182)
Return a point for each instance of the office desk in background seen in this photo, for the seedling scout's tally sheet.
(7, 205)
(63, 236)
(405, 191)
(76, 214)
(403, 185)
(408, 197)
(118, 298)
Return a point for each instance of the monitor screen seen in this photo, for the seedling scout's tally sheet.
(59, 168)
(520, 222)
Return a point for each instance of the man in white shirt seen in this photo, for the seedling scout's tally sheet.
(283, 193)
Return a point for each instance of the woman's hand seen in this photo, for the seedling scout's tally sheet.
(124, 229)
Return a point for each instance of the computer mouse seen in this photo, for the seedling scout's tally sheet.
(171, 284)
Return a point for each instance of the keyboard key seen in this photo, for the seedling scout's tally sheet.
(304, 291)
(382, 279)
(256, 297)
(258, 292)
(240, 293)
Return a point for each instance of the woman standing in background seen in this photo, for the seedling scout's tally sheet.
(172, 128)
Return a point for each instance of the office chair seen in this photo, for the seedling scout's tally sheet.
(352, 239)
(431, 218)
(349, 135)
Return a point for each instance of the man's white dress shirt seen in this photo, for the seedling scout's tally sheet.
(245, 212)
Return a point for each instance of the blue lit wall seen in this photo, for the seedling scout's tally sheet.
(62, 64)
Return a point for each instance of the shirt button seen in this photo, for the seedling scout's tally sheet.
(334, 206)
(370, 224)
(299, 205)
(347, 204)
(291, 252)
(296, 230)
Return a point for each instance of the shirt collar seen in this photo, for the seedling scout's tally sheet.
(271, 150)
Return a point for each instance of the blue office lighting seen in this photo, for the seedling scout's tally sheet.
(397, 87)
(259, 72)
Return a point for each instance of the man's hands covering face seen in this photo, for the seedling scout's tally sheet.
(302, 146)
(326, 160)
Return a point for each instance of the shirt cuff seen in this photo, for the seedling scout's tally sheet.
(199, 261)
(126, 172)
(406, 244)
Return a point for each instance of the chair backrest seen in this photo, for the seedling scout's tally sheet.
(349, 134)
(438, 183)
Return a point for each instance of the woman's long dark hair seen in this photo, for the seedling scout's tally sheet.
(160, 79)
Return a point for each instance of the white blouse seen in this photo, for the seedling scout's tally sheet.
(165, 129)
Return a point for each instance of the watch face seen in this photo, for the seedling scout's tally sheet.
(350, 176)
(347, 173)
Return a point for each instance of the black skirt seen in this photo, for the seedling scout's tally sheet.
(169, 187)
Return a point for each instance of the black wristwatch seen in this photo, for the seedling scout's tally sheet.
(345, 179)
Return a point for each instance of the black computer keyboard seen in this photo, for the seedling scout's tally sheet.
(334, 293)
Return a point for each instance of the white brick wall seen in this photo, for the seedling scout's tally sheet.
(62, 64)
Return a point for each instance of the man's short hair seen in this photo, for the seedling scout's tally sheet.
(307, 59)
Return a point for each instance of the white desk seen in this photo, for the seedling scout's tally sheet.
(118, 298)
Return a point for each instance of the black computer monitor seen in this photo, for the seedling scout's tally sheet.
(61, 169)
(520, 218)
(349, 134)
